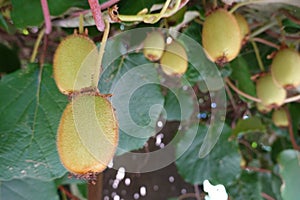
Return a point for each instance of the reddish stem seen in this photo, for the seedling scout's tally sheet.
(47, 18)
(266, 42)
(291, 131)
(266, 196)
(97, 15)
(69, 194)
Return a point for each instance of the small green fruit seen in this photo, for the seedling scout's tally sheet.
(270, 94)
(285, 68)
(154, 46)
(174, 60)
(87, 135)
(243, 24)
(221, 36)
(280, 118)
(75, 64)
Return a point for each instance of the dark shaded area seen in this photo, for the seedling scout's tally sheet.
(161, 184)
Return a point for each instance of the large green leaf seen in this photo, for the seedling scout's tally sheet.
(31, 106)
(178, 105)
(289, 162)
(136, 95)
(242, 76)
(25, 13)
(251, 124)
(221, 165)
(28, 189)
(246, 187)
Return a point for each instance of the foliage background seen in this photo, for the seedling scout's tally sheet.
(253, 157)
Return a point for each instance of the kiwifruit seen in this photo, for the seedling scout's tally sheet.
(87, 135)
(262, 108)
(221, 36)
(174, 60)
(75, 64)
(280, 117)
(270, 94)
(154, 46)
(285, 68)
(243, 24)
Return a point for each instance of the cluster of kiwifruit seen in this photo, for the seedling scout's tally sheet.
(224, 34)
(87, 135)
(172, 57)
(272, 87)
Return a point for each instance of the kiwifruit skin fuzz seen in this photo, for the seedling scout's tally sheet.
(154, 46)
(221, 36)
(270, 94)
(174, 60)
(87, 136)
(285, 68)
(74, 65)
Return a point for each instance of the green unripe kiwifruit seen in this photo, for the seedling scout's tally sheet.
(270, 94)
(243, 24)
(262, 108)
(174, 60)
(285, 68)
(75, 64)
(221, 36)
(154, 46)
(87, 135)
(280, 117)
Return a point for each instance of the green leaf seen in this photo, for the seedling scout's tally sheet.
(31, 189)
(221, 165)
(270, 183)
(136, 95)
(178, 105)
(32, 106)
(241, 75)
(26, 13)
(246, 187)
(3, 23)
(252, 124)
(289, 163)
(9, 60)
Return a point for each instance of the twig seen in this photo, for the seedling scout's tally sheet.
(277, 35)
(187, 195)
(291, 131)
(36, 45)
(266, 196)
(97, 14)
(292, 99)
(290, 16)
(262, 29)
(43, 55)
(47, 18)
(266, 42)
(232, 86)
(197, 192)
(244, 3)
(231, 98)
(103, 44)
(81, 22)
(257, 54)
(69, 194)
